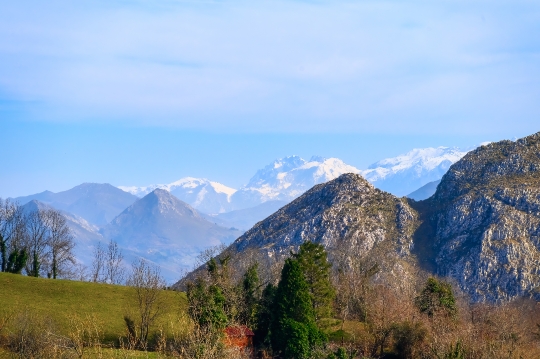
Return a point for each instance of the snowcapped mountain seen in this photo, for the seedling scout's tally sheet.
(167, 231)
(287, 178)
(202, 194)
(406, 173)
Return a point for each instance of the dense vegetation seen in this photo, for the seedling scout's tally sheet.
(314, 310)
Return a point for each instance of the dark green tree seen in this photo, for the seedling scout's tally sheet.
(314, 264)
(206, 305)
(36, 265)
(16, 261)
(293, 329)
(250, 293)
(437, 297)
(265, 316)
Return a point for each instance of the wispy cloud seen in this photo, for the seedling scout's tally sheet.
(383, 66)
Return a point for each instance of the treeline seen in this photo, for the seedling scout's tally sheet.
(38, 243)
(351, 308)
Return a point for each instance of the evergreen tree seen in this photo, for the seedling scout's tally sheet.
(293, 329)
(36, 265)
(265, 316)
(16, 261)
(437, 296)
(314, 264)
(250, 296)
(206, 305)
(3, 252)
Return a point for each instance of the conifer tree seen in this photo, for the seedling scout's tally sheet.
(16, 261)
(314, 264)
(250, 296)
(293, 330)
(265, 315)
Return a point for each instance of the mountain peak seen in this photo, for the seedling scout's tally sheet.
(492, 162)
(287, 178)
(407, 172)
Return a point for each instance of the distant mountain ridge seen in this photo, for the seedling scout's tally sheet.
(167, 231)
(287, 178)
(425, 191)
(405, 173)
(207, 196)
(96, 203)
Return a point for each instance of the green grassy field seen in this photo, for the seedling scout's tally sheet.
(58, 299)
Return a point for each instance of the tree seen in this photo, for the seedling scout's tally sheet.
(12, 229)
(37, 227)
(293, 329)
(114, 268)
(98, 264)
(16, 261)
(314, 264)
(206, 305)
(60, 243)
(265, 315)
(148, 285)
(437, 297)
(250, 296)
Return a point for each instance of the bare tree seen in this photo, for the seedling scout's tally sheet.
(114, 266)
(60, 244)
(37, 239)
(12, 229)
(98, 264)
(148, 284)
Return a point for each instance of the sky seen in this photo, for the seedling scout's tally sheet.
(141, 92)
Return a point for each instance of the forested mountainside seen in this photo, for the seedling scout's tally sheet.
(481, 228)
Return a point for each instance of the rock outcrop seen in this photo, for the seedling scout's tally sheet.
(485, 218)
(481, 227)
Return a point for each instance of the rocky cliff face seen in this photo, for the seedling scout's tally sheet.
(481, 227)
(348, 209)
(346, 214)
(485, 218)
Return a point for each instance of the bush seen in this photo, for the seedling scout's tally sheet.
(408, 338)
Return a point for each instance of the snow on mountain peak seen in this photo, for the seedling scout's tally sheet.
(407, 172)
(287, 178)
(205, 195)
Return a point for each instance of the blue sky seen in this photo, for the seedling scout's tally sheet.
(138, 92)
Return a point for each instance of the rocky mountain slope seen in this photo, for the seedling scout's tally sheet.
(167, 231)
(96, 203)
(481, 228)
(346, 214)
(485, 219)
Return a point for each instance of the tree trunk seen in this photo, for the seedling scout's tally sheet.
(54, 266)
(4, 256)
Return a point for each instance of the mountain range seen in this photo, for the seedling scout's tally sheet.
(170, 223)
(481, 228)
(405, 173)
(287, 178)
(96, 203)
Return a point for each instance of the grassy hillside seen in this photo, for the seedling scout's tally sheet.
(58, 299)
